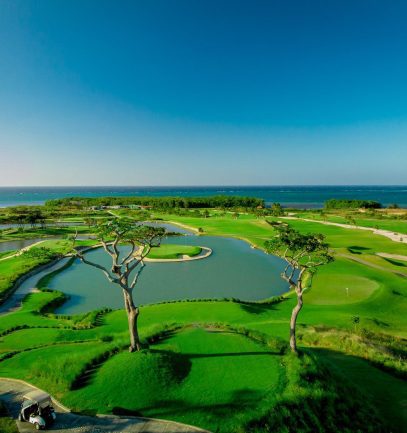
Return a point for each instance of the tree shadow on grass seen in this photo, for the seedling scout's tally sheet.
(241, 400)
(261, 307)
(11, 401)
(395, 262)
(355, 249)
(380, 323)
(215, 355)
(392, 414)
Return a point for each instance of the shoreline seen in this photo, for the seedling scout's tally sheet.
(11, 297)
(13, 300)
(205, 252)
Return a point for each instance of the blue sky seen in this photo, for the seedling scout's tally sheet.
(203, 92)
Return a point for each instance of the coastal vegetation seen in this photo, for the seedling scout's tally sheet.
(219, 201)
(352, 204)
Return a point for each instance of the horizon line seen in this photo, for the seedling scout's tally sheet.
(203, 186)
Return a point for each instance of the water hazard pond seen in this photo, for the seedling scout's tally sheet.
(233, 270)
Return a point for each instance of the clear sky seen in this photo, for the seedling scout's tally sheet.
(211, 92)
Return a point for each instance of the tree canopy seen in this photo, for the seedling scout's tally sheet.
(351, 204)
(160, 202)
(303, 254)
(126, 267)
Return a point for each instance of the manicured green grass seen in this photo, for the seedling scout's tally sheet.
(179, 373)
(169, 251)
(271, 319)
(341, 238)
(389, 394)
(342, 282)
(382, 221)
(247, 227)
(31, 338)
(37, 232)
(54, 367)
(210, 379)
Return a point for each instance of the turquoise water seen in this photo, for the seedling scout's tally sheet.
(294, 196)
(233, 270)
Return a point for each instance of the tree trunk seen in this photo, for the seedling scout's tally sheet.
(293, 321)
(132, 316)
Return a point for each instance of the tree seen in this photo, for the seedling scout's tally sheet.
(355, 321)
(303, 254)
(324, 216)
(350, 220)
(33, 216)
(126, 270)
(276, 210)
(393, 206)
(89, 221)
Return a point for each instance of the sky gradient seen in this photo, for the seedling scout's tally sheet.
(203, 93)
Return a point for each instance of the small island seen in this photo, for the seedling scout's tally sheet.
(177, 253)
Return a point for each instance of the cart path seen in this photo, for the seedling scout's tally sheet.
(19, 252)
(394, 236)
(372, 265)
(11, 392)
(392, 256)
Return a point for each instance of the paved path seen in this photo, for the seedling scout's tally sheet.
(11, 392)
(392, 256)
(394, 236)
(372, 265)
(18, 253)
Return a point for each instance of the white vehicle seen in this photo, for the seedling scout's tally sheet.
(37, 409)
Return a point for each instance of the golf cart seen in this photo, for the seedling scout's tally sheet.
(37, 409)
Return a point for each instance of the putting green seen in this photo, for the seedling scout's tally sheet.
(336, 289)
(169, 251)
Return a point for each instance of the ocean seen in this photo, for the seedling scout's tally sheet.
(288, 196)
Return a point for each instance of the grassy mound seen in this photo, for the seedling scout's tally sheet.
(149, 374)
(201, 377)
(169, 251)
(54, 367)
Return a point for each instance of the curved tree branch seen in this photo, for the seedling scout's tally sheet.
(96, 265)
